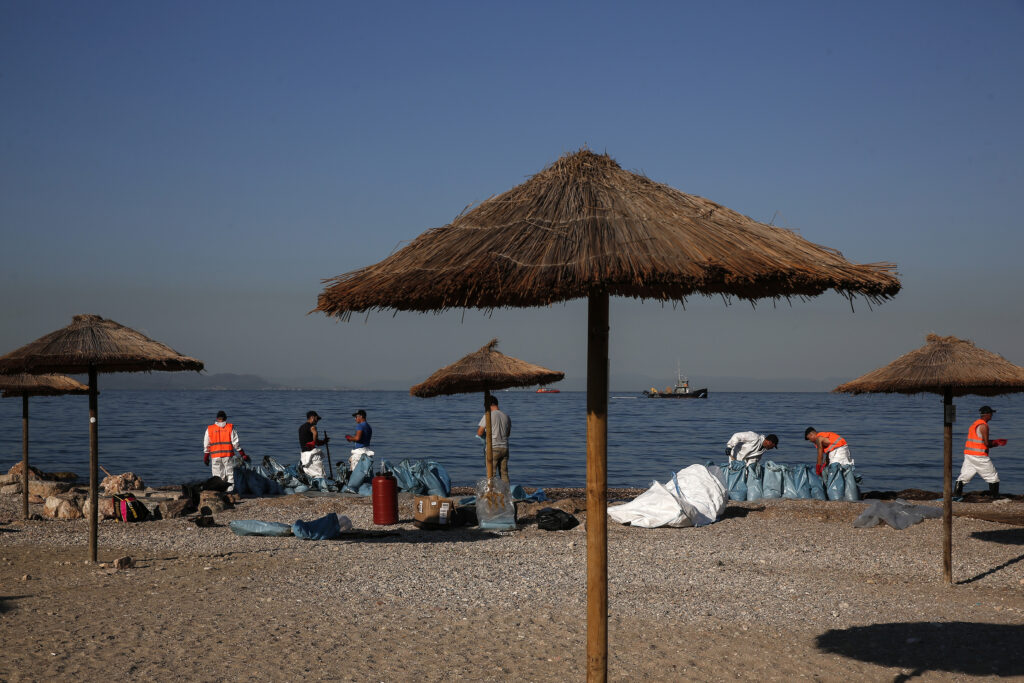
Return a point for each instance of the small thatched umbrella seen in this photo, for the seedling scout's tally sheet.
(90, 345)
(585, 228)
(950, 367)
(486, 370)
(34, 385)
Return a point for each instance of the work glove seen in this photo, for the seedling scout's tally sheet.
(349, 437)
(206, 459)
(244, 456)
(819, 468)
(998, 442)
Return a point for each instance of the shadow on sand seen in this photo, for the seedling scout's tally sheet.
(957, 647)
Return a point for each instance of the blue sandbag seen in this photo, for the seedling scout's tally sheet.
(361, 473)
(442, 474)
(850, 480)
(366, 489)
(816, 485)
(835, 484)
(771, 483)
(736, 480)
(323, 529)
(795, 483)
(755, 478)
(255, 527)
(300, 489)
(406, 478)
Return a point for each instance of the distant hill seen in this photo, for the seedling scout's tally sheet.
(180, 381)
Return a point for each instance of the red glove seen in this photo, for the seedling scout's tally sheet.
(349, 437)
(998, 442)
(206, 459)
(244, 456)
(819, 468)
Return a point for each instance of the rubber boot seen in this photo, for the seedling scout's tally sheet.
(993, 489)
(958, 490)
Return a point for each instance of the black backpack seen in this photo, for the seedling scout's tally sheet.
(128, 508)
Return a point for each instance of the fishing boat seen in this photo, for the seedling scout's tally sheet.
(680, 390)
(545, 390)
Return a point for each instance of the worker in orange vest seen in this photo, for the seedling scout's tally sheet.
(219, 445)
(831, 448)
(976, 455)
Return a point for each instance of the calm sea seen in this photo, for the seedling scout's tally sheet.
(895, 440)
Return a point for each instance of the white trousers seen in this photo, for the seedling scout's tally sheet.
(840, 455)
(225, 469)
(980, 465)
(312, 462)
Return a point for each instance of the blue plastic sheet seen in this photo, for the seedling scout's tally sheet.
(255, 480)
(256, 527)
(323, 529)
(772, 485)
(755, 479)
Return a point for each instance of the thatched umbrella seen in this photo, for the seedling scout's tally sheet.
(486, 370)
(34, 385)
(585, 228)
(950, 367)
(90, 345)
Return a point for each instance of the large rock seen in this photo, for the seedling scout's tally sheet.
(33, 473)
(58, 508)
(119, 483)
(10, 489)
(47, 488)
(213, 501)
(105, 508)
(8, 479)
(169, 509)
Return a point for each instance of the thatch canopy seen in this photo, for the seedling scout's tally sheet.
(943, 363)
(584, 224)
(486, 369)
(91, 341)
(40, 385)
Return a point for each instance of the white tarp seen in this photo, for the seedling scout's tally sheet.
(695, 496)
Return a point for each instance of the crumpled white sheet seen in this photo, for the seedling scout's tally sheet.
(695, 496)
(899, 514)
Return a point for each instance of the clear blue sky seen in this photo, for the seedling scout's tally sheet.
(194, 169)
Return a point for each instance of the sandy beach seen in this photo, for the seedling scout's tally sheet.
(776, 590)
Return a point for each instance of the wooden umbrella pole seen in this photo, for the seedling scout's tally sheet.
(488, 449)
(24, 454)
(94, 462)
(947, 485)
(597, 493)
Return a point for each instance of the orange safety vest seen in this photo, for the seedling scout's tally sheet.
(974, 445)
(834, 441)
(220, 440)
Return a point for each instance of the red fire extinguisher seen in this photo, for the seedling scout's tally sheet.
(385, 499)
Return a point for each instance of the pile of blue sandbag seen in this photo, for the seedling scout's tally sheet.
(755, 481)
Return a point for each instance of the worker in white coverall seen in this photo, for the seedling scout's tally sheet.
(219, 445)
(748, 447)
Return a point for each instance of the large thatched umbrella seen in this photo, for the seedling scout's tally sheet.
(25, 385)
(950, 367)
(486, 370)
(585, 228)
(90, 345)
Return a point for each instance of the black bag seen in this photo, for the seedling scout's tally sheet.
(552, 519)
(128, 508)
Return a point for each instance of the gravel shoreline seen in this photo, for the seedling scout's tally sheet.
(794, 568)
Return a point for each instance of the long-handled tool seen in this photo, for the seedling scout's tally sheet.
(327, 446)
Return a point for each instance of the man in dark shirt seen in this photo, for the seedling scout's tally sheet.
(310, 456)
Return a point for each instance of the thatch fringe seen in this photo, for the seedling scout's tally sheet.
(40, 385)
(943, 363)
(583, 224)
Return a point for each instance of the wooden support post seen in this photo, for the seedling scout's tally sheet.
(94, 464)
(947, 485)
(24, 454)
(597, 483)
